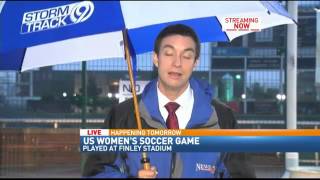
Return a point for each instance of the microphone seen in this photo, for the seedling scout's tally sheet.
(145, 161)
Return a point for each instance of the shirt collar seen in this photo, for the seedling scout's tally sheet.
(182, 100)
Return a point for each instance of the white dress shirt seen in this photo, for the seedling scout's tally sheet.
(185, 100)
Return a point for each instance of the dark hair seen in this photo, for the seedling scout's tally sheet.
(177, 29)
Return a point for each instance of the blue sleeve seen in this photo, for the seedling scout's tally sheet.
(110, 172)
(115, 170)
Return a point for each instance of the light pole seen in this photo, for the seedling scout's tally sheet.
(292, 158)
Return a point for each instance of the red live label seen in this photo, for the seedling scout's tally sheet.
(94, 132)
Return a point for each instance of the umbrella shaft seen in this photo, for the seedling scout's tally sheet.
(128, 59)
(144, 160)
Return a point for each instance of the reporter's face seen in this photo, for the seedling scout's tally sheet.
(175, 61)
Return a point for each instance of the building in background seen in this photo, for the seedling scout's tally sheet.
(257, 64)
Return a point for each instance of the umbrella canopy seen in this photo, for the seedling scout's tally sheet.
(37, 34)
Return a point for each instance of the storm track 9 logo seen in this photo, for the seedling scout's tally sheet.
(56, 17)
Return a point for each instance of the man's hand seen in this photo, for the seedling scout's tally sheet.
(152, 173)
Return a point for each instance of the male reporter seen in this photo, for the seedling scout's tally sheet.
(174, 100)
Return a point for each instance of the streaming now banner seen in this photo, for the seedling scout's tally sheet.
(165, 140)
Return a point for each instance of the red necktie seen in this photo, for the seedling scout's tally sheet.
(172, 120)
